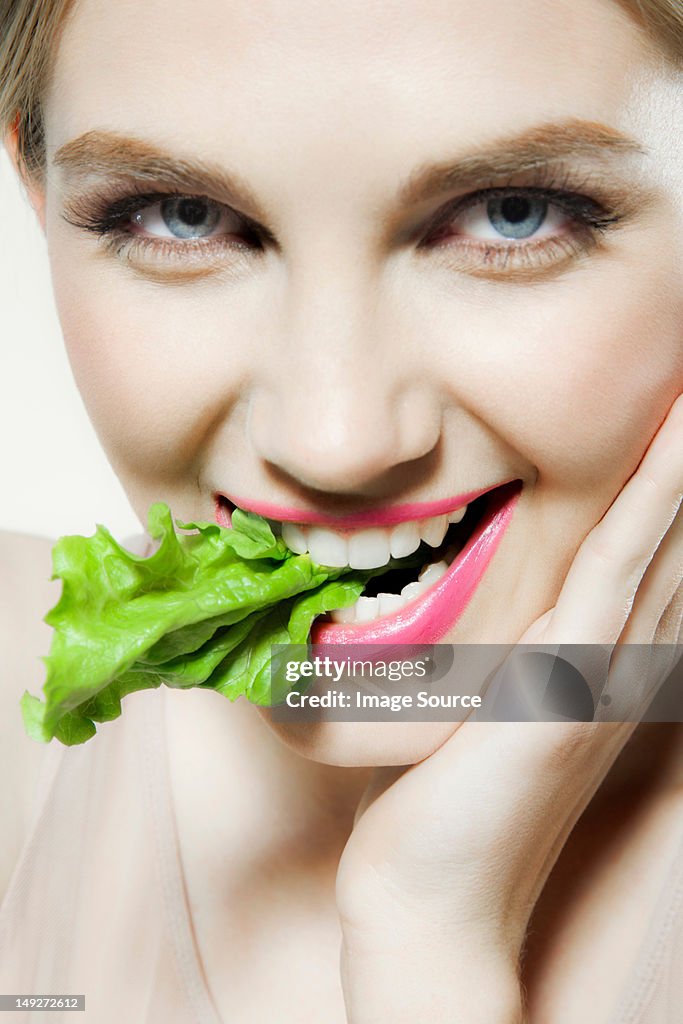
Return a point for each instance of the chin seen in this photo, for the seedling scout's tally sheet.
(362, 744)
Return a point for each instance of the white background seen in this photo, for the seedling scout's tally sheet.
(54, 476)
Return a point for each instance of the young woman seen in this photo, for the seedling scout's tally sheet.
(365, 261)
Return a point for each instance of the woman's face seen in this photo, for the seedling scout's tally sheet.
(332, 328)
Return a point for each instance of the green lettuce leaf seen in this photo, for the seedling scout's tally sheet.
(203, 610)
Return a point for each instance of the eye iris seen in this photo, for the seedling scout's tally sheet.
(189, 218)
(517, 216)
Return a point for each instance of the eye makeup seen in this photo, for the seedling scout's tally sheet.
(111, 212)
(584, 224)
(590, 207)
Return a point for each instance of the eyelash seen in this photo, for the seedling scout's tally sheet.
(107, 217)
(590, 218)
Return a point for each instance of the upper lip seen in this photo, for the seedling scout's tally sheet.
(386, 516)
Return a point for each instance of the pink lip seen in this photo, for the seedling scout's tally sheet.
(429, 618)
(377, 517)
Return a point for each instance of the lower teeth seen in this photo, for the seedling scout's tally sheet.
(366, 609)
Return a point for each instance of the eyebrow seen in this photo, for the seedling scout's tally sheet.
(110, 153)
(537, 147)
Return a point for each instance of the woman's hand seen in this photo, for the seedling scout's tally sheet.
(447, 858)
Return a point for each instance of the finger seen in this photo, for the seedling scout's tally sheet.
(670, 628)
(639, 667)
(637, 674)
(537, 630)
(599, 591)
(657, 589)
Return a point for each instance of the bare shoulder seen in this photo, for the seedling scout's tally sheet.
(26, 595)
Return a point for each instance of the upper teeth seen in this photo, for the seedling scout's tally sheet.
(369, 548)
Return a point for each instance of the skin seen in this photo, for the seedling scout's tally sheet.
(266, 360)
(338, 371)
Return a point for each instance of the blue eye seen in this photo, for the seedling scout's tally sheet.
(509, 217)
(189, 218)
(513, 230)
(517, 216)
(185, 218)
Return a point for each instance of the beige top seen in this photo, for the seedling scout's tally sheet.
(97, 902)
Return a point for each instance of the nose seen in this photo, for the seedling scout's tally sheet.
(348, 404)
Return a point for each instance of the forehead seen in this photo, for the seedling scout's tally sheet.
(310, 87)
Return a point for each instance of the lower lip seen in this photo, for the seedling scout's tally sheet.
(430, 617)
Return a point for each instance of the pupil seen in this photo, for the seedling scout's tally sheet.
(192, 211)
(517, 216)
(515, 209)
(190, 217)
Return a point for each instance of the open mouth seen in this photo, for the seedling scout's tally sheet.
(426, 571)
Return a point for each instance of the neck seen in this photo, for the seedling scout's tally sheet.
(245, 797)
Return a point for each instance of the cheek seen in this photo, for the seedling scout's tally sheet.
(155, 364)
(583, 372)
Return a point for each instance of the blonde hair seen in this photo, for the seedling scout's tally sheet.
(28, 33)
(29, 30)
